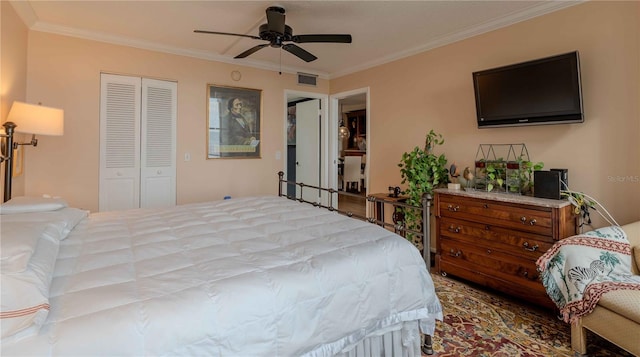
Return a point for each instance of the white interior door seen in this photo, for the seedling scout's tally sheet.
(119, 142)
(158, 144)
(308, 148)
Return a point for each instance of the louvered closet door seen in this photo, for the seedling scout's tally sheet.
(137, 142)
(119, 142)
(158, 139)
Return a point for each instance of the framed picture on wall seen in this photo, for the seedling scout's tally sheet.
(233, 122)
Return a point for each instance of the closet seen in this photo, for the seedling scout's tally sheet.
(137, 142)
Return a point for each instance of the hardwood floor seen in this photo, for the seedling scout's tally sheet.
(356, 205)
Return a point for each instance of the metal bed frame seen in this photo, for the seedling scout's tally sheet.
(399, 225)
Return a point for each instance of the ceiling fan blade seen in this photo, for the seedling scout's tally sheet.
(226, 33)
(275, 19)
(298, 51)
(251, 51)
(322, 38)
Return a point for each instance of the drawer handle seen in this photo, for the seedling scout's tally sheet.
(453, 208)
(485, 205)
(454, 253)
(532, 277)
(523, 219)
(533, 222)
(488, 251)
(525, 245)
(454, 229)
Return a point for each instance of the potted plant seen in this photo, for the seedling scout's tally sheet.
(422, 171)
(526, 175)
(517, 174)
(495, 174)
(520, 175)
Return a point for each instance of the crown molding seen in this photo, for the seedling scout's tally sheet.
(504, 21)
(26, 13)
(157, 47)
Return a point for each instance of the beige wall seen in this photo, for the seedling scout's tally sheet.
(65, 72)
(408, 98)
(435, 90)
(13, 74)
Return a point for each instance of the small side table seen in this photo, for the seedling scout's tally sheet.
(378, 209)
(381, 199)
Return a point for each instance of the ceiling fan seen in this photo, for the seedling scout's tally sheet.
(277, 33)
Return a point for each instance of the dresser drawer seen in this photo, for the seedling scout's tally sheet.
(500, 214)
(527, 245)
(535, 294)
(505, 266)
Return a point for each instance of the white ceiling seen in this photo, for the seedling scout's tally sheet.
(382, 31)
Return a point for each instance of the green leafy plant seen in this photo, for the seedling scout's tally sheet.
(520, 179)
(582, 206)
(422, 171)
(495, 174)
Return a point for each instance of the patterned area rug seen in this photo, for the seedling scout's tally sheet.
(479, 323)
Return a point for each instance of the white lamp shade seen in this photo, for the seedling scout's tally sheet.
(36, 119)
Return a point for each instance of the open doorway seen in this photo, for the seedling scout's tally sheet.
(350, 116)
(306, 143)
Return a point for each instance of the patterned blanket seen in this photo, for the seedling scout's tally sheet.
(578, 270)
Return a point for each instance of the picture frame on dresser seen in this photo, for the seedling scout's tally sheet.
(233, 122)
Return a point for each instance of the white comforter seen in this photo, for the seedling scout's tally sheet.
(243, 277)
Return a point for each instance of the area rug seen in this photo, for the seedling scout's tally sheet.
(479, 322)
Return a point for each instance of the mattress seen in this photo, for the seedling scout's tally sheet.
(260, 276)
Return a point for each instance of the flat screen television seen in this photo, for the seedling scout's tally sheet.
(543, 91)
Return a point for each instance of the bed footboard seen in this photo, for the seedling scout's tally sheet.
(329, 196)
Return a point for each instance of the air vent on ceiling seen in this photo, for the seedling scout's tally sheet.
(307, 79)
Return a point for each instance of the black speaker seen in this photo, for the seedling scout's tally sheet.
(546, 184)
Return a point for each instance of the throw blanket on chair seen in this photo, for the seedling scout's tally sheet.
(577, 270)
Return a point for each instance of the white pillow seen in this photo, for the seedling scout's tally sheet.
(24, 300)
(20, 234)
(25, 204)
(62, 220)
(18, 243)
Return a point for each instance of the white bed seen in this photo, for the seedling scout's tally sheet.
(262, 276)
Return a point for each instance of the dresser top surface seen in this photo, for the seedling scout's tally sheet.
(505, 197)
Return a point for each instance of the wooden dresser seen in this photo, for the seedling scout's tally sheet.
(494, 239)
